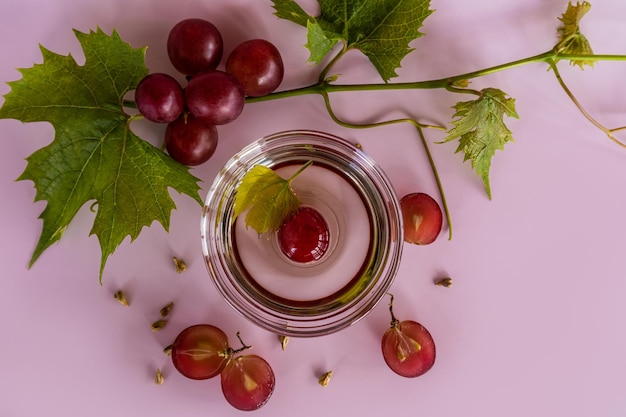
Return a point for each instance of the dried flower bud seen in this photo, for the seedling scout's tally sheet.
(358, 146)
(283, 341)
(158, 377)
(121, 298)
(325, 379)
(165, 311)
(168, 350)
(158, 325)
(444, 282)
(179, 265)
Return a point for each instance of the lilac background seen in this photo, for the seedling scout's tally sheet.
(534, 324)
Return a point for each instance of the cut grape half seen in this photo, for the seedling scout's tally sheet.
(200, 351)
(247, 382)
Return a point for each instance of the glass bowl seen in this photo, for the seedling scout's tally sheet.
(364, 220)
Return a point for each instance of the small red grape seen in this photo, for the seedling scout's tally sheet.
(194, 45)
(190, 141)
(159, 98)
(257, 65)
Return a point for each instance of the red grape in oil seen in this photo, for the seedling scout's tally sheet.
(304, 236)
(214, 97)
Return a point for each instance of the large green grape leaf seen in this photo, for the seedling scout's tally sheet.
(480, 128)
(94, 156)
(382, 29)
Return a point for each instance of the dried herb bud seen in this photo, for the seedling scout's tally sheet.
(444, 282)
(158, 325)
(179, 265)
(158, 377)
(165, 311)
(325, 379)
(283, 341)
(168, 350)
(121, 298)
(358, 146)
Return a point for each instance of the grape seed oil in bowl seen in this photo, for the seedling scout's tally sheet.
(323, 270)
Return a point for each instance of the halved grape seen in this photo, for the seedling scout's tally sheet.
(159, 98)
(408, 348)
(214, 97)
(257, 65)
(422, 218)
(190, 141)
(304, 236)
(200, 351)
(247, 382)
(194, 45)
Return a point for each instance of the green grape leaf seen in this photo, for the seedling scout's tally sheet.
(382, 30)
(571, 40)
(94, 155)
(481, 130)
(268, 198)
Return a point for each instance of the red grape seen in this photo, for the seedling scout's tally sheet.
(257, 65)
(422, 218)
(159, 98)
(247, 382)
(190, 141)
(194, 45)
(408, 348)
(200, 351)
(214, 97)
(304, 236)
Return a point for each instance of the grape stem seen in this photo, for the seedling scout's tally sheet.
(232, 352)
(325, 85)
(394, 321)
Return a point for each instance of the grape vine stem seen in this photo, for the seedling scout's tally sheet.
(325, 85)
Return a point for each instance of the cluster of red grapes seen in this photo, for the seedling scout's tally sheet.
(211, 97)
(202, 352)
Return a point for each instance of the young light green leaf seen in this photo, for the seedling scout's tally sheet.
(268, 198)
(571, 40)
(94, 155)
(481, 130)
(382, 30)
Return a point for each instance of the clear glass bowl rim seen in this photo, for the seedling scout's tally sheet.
(219, 199)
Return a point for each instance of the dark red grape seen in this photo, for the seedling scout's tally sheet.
(422, 218)
(190, 141)
(159, 98)
(214, 97)
(247, 382)
(257, 65)
(200, 351)
(408, 348)
(304, 236)
(194, 45)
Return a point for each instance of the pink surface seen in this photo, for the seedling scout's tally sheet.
(533, 325)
